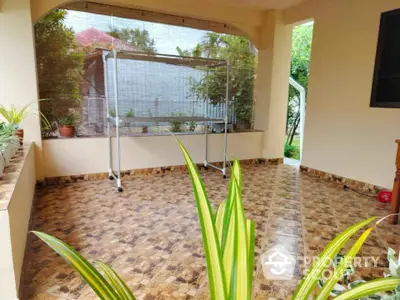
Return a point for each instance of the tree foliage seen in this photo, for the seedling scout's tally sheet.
(59, 65)
(241, 56)
(299, 71)
(195, 52)
(301, 53)
(140, 39)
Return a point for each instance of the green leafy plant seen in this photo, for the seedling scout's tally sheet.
(227, 236)
(290, 151)
(109, 287)
(130, 113)
(6, 129)
(240, 54)
(113, 113)
(69, 120)
(228, 242)
(60, 65)
(347, 284)
(244, 112)
(7, 136)
(14, 116)
(192, 126)
(309, 282)
(177, 125)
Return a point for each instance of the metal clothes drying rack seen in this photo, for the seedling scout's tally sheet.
(169, 59)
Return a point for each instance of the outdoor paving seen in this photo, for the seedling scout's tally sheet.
(151, 236)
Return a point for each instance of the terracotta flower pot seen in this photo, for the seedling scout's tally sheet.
(67, 130)
(20, 134)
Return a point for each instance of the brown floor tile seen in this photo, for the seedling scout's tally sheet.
(151, 236)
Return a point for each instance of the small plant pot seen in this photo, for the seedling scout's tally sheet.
(20, 134)
(66, 130)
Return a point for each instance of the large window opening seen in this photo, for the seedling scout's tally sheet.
(75, 79)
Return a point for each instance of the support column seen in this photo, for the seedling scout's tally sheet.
(18, 80)
(272, 83)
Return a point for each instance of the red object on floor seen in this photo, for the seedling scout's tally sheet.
(385, 196)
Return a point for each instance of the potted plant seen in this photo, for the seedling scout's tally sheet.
(66, 125)
(14, 117)
(145, 128)
(130, 113)
(8, 145)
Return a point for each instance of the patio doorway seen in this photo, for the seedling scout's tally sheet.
(298, 84)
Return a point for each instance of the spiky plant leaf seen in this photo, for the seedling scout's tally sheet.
(228, 238)
(89, 273)
(370, 288)
(210, 238)
(308, 283)
(342, 267)
(116, 282)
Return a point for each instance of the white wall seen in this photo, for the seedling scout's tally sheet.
(64, 157)
(14, 228)
(17, 64)
(8, 289)
(343, 135)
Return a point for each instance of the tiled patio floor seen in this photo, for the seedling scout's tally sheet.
(150, 233)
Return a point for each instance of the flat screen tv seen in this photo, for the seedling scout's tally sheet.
(386, 83)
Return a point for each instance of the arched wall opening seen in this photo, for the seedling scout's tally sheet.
(86, 34)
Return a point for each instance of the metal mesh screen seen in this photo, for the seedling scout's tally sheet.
(145, 87)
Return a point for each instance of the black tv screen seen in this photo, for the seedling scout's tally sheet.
(386, 84)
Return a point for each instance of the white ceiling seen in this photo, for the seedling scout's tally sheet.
(261, 4)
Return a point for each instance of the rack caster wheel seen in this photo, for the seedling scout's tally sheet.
(205, 168)
(111, 177)
(225, 176)
(120, 189)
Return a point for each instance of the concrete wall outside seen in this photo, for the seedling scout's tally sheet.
(18, 84)
(90, 155)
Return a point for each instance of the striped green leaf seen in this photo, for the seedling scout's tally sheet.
(251, 236)
(219, 221)
(116, 282)
(228, 238)
(232, 192)
(308, 283)
(229, 254)
(210, 238)
(344, 264)
(96, 281)
(370, 288)
(241, 253)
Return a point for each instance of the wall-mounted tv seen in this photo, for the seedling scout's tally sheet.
(386, 84)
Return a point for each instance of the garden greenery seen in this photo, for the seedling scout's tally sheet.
(14, 116)
(68, 120)
(240, 54)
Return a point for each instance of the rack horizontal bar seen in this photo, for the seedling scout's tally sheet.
(169, 59)
(112, 120)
